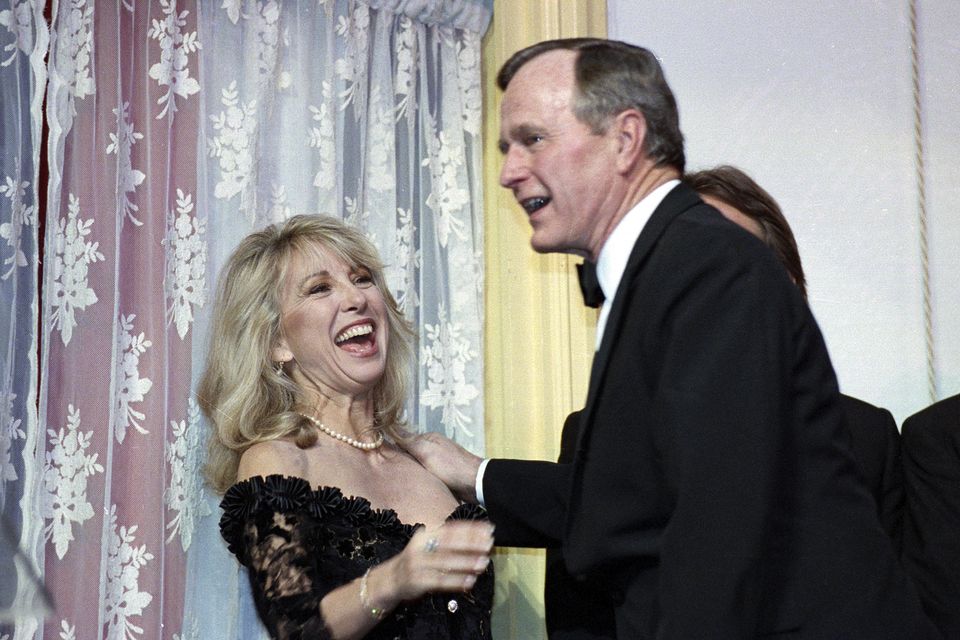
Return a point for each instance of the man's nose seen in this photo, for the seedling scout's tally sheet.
(514, 169)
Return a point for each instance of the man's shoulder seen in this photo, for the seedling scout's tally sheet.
(703, 239)
(690, 220)
(941, 417)
(863, 412)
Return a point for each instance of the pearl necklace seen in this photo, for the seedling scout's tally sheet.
(353, 442)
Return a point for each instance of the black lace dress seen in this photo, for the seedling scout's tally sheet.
(298, 544)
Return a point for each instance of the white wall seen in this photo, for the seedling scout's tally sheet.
(816, 104)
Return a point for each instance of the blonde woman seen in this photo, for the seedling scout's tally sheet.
(344, 535)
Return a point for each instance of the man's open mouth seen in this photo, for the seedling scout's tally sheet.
(534, 204)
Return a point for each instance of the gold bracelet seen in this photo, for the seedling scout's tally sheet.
(377, 613)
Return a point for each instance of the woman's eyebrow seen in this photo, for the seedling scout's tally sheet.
(310, 276)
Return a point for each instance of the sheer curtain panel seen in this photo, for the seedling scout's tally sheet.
(173, 129)
(369, 111)
(23, 45)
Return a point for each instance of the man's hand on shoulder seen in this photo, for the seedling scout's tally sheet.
(447, 460)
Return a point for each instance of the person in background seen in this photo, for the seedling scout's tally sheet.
(931, 532)
(344, 535)
(712, 492)
(873, 431)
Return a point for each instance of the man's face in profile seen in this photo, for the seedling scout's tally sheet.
(559, 170)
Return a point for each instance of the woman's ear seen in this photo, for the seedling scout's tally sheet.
(281, 352)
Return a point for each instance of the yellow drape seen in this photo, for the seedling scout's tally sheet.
(539, 336)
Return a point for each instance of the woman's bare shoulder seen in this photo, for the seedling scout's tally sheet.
(273, 457)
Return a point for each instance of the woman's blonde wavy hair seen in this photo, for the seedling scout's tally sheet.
(244, 397)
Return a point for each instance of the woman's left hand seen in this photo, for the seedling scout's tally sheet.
(448, 558)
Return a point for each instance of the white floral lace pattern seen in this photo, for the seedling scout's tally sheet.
(74, 47)
(321, 138)
(19, 23)
(124, 599)
(67, 631)
(72, 255)
(65, 471)
(263, 48)
(352, 67)
(407, 261)
(128, 178)
(184, 495)
(130, 387)
(357, 216)
(468, 57)
(279, 204)
(404, 76)
(232, 7)
(381, 172)
(186, 260)
(176, 44)
(10, 430)
(448, 198)
(233, 145)
(445, 357)
(21, 215)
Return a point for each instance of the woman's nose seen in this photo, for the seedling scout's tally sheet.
(354, 298)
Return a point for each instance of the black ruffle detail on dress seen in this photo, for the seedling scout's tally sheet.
(299, 544)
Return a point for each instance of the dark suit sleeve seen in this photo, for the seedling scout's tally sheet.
(931, 531)
(527, 501)
(572, 608)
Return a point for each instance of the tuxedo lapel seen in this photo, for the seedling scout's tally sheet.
(678, 200)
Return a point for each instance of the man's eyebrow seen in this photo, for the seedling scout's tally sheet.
(523, 130)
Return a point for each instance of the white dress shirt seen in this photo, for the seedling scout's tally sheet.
(616, 250)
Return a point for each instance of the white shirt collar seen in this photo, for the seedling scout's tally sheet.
(617, 249)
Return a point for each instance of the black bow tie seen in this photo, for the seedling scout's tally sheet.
(589, 285)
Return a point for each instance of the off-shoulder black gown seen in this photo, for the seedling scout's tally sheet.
(298, 544)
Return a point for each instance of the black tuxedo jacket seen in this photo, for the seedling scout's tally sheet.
(875, 441)
(931, 532)
(575, 610)
(713, 492)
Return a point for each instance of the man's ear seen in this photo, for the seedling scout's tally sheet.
(630, 128)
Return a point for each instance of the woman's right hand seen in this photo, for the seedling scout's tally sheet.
(448, 558)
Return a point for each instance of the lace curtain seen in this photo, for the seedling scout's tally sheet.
(23, 45)
(175, 128)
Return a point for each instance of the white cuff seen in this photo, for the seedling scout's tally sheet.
(479, 482)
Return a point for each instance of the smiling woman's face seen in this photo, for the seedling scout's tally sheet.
(333, 325)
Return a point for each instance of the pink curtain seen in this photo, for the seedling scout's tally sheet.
(123, 115)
